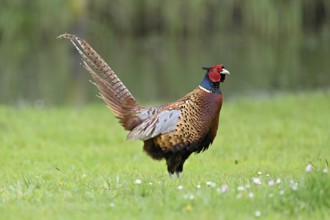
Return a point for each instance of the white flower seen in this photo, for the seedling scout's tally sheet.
(271, 182)
(325, 170)
(189, 196)
(150, 183)
(278, 180)
(259, 173)
(309, 168)
(267, 174)
(257, 213)
(293, 185)
(256, 180)
(138, 181)
(240, 188)
(208, 183)
(180, 187)
(198, 186)
(251, 195)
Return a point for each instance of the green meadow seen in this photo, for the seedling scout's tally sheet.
(269, 161)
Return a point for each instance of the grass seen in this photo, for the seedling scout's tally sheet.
(64, 163)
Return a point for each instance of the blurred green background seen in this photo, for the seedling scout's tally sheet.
(157, 47)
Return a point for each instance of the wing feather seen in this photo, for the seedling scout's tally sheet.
(161, 123)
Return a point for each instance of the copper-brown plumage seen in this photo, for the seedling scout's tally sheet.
(172, 131)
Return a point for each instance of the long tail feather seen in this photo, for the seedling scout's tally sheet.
(112, 90)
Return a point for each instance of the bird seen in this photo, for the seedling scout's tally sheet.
(170, 131)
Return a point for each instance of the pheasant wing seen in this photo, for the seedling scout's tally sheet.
(161, 123)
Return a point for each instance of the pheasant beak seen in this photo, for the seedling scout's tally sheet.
(223, 74)
(224, 71)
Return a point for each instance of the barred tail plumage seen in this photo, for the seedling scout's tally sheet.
(112, 90)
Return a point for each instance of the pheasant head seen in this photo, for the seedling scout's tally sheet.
(214, 75)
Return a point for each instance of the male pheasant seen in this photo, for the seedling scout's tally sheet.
(171, 131)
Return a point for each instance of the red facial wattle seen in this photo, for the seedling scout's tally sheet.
(214, 74)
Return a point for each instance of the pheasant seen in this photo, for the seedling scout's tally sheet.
(171, 131)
